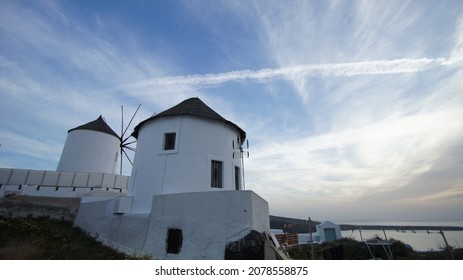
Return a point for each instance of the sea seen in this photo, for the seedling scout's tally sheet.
(419, 240)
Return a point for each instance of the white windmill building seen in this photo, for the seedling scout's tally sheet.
(86, 167)
(91, 147)
(185, 198)
(187, 148)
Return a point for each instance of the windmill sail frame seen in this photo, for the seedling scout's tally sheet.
(123, 141)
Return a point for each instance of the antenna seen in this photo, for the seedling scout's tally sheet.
(123, 141)
(242, 152)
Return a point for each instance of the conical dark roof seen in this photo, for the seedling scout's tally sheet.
(190, 107)
(96, 125)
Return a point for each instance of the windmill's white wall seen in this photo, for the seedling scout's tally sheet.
(188, 167)
(89, 151)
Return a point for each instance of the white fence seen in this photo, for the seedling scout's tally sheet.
(74, 180)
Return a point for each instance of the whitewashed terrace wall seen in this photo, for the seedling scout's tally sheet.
(60, 184)
(208, 221)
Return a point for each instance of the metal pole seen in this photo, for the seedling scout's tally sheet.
(311, 240)
(368, 247)
(447, 244)
(122, 135)
(242, 165)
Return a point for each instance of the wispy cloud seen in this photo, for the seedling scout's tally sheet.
(25, 145)
(360, 161)
(377, 67)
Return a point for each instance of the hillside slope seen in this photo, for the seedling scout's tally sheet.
(40, 238)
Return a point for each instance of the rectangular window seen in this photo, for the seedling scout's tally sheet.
(169, 141)
(216, 174)
(237, 178)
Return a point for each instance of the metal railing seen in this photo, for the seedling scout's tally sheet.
(59, 179)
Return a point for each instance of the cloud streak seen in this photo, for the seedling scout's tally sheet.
(377, 67)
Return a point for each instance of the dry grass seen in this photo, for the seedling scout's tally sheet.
(42, 238)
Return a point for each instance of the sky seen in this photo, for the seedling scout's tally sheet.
(353, 109)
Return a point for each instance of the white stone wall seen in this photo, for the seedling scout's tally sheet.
(60, 183)
(187, 168)
(208, 221)
(89, 151)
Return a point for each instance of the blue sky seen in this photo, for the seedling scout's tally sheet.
(353, 109)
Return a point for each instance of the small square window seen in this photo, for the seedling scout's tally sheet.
(169, 141)
(216, 174)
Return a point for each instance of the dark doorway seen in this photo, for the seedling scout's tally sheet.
(174, 240)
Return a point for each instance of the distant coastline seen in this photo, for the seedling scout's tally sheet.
(400, 227)
(301, 226)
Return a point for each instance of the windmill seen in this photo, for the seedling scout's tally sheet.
(124, 141)
(242, 152)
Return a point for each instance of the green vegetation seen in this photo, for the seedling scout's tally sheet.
(350, 249)
(46, 239)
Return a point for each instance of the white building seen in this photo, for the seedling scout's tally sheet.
(328, 231)
(185, 197)
(187, 148)
(92, 147)
(86, 167)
